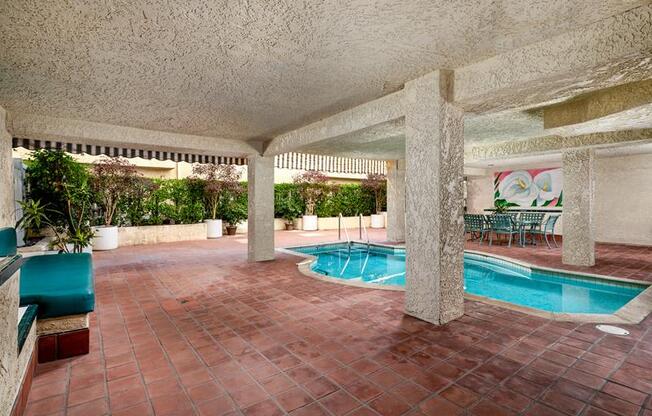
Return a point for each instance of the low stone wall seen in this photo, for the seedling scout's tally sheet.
(330, 223)
(153, 234)
(325, 223)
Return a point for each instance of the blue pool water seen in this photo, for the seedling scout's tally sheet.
(483, 276)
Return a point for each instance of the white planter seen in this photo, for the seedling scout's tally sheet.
(310, 223)
(213, 228)
(106, 238)
(377, 221)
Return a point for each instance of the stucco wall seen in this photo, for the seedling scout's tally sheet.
(479, 194)
(6, 175)
(623, 205)
(153, 234)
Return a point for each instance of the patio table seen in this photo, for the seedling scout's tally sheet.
(523, 224)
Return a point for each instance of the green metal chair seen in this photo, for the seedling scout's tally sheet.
(547, 230)
(530, 221)
(503, 224)
(476, 225)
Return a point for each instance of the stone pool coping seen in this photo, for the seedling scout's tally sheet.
(633, 312)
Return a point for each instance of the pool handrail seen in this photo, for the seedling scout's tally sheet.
(340, 223)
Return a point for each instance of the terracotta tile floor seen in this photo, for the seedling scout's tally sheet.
(193, 329)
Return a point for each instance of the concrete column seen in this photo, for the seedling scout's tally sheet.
(579, 190)
(396, 200)
(260, 231)
(7, 208)
(434, 200)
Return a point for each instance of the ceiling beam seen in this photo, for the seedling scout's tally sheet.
(372, 113)
(555, 144)
(599, 55)
(598, 104)
(32, 126)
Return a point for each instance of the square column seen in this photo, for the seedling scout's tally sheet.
(434, 200)
(7, 203)
(260, 224)
(579, 224)
(396, 200)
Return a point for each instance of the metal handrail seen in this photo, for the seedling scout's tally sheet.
(363, 227)
(340, 224)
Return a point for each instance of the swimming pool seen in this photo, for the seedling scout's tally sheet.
(483, 276)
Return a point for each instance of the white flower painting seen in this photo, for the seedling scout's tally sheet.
(529, 188)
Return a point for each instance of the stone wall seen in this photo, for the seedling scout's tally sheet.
(153, 234)
(7, 208)
(623, 199)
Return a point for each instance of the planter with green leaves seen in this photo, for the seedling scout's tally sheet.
(58, 200)
(313, 188)
(112, 180)
(219, 182)
(376, 185)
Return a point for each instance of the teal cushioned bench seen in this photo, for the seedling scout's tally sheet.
(60, 284)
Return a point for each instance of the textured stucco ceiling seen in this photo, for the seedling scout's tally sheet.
(250, 68)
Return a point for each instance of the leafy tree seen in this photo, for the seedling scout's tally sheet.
(313, 188)
(376, 184)
(112, 180)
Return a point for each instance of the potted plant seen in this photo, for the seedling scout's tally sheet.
(291, 212)
(376, 184)
(312, 187)
(220, 181)
(76, 235)
(112, 179)
(233, 211)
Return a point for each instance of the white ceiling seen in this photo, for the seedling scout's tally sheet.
(252, 68)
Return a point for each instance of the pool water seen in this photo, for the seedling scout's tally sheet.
(483, 276)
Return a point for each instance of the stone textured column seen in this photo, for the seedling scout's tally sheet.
(434, 200)
(579, 189)
(7, 204)
(260, 231)
(396, 200)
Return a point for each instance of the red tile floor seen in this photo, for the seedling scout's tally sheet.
(193, 329)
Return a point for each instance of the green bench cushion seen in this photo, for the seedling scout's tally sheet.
(7, 241)
(60, 284)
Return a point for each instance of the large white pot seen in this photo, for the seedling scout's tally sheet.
(310, 223)
(377, 221)
(213, 228)
(106, 238)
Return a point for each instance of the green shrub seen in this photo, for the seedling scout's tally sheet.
(348, 199)
(53, 177)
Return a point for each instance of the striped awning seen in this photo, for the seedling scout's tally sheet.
(298, 161)
(96, 150)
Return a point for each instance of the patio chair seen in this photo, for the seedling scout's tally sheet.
(546, 230)
(503, 224)
(530, 221)
(476, 225)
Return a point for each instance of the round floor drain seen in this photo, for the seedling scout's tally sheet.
(613, 330)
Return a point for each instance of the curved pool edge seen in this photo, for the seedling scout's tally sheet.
(633, 312)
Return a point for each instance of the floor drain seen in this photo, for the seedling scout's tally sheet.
(613, 330)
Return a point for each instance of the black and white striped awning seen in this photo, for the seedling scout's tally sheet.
(298, 161)
(96, 150)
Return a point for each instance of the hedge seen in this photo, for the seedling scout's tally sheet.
(180, 201)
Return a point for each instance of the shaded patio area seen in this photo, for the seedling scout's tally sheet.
(193, 328)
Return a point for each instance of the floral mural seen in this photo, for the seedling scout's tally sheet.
(529, 188)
